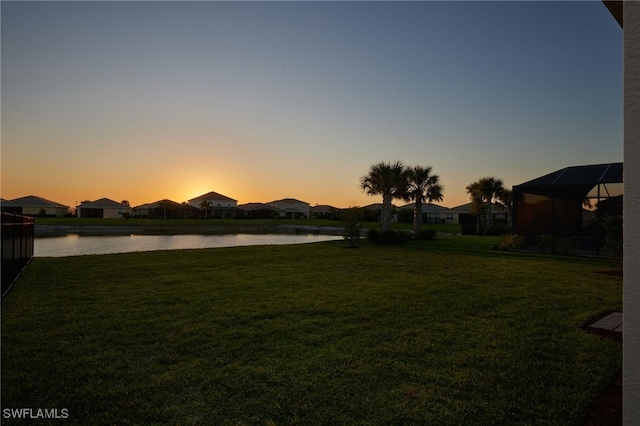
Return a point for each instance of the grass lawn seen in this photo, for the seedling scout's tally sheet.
(443, 332)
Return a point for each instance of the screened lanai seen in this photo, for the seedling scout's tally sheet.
(567, 201)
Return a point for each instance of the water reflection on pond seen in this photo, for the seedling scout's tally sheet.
(75, 245)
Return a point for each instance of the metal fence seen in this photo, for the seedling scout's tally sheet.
(17, 247)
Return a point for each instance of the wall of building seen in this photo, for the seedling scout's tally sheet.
(631, 347)
(49, 211)
(114, 213)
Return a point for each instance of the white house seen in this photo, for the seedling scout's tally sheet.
(431, 213)
(291, 208)
(103, 208)
(220, 206)
(32, 205)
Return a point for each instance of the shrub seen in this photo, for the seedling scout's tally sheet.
(425, 234)
(511, 242)
(568, 245)
(351, 221)
(614, 240)
(387, 237)
(546, 243)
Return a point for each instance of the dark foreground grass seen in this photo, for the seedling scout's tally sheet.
(435, 332)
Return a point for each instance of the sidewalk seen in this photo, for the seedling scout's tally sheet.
(608, 326)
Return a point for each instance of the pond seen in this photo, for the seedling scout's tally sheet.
(76, 245)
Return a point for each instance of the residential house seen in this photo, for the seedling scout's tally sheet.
(554, 203)
(431, 213)
(258, 211)
(373, 213)
(103, 208)
(35, 206)
(463, 215)
(324, 211)
(221, 206)
(291, 208)
(166, 209)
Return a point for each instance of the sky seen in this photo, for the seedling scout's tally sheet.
(259, 101)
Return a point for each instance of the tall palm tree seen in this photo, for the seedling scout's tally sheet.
(482, 194)
(205, 205)
(421, 186)
(388, 180)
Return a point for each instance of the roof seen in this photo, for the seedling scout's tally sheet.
(212, 196)
(376, 206)
(573, 182)
(466, 208)
(322, 208)
(616, 8)
(104, 203)
(161, 203)
(257, 206)
(32, 201)
(426, 208)
(288, 200)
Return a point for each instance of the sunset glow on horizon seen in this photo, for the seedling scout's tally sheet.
(143, 101)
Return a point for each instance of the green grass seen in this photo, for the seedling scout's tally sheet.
(432, 332)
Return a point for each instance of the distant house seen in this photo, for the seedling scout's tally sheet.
(373, 213)
(462, 215)
(222, 207)
(324, 211)
(166, 209)
(103, 208)
(431, 213)
(290, 208)
(258, 211)
(35, 206)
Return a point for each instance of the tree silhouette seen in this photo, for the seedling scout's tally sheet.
(482, 193)
(388, 180)
(205, 205)
(421, 186)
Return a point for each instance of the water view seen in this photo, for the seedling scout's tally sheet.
(76, 245)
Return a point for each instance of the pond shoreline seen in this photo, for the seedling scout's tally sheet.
(44, 231)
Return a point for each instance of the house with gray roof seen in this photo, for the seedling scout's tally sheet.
(324, 211)
(291, 208)
(463, 215)
(221, 206)
(32, 205)
(166, 209)
(431, 213)
(258, 211)
(103, 208)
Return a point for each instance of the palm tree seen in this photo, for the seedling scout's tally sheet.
(505, 199)
(388, 180)
(205, 205)
(421, 186)
(164, 204)
(482, 194)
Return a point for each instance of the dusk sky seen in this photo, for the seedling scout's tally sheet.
(267, 100)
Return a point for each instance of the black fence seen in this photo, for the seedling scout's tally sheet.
(17, 247)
